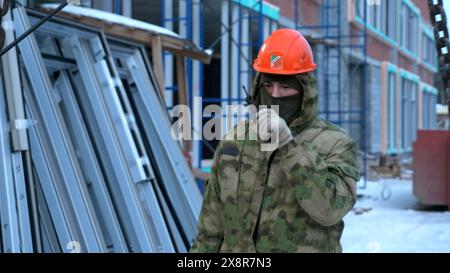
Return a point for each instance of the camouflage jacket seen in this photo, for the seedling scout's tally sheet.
(290, 200)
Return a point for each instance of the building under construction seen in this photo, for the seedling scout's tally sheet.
(372, 72)
(86, 157)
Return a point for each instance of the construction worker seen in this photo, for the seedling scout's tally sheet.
(291, 199)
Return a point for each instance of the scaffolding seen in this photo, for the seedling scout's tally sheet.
(335, 43)
(190, 18)
(244, 26)
(240, 22)
(236, 39)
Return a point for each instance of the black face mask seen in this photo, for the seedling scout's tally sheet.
(290, 106)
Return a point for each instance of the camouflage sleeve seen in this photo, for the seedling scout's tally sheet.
(210, 228)
(324, 186)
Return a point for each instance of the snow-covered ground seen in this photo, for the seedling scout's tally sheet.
(398, 224)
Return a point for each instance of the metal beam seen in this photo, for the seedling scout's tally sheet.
(90, 167)
(57, 151)
(9, 222)
(130, 139)
(178, 182)
(168, 57)
(13, 189)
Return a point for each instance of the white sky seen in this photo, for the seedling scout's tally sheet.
(447, 11)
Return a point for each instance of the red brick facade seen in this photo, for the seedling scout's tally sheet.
(426, 76)
(308, 10)
(377, 49)
(423, 6)
(405, 62)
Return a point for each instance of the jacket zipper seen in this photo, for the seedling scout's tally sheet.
(258, 220)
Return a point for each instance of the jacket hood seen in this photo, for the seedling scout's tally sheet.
(309, 100)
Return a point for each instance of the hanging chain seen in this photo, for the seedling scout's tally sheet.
(439, 21)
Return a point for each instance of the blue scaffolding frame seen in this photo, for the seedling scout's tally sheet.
(242, 46)
(256, 8)
(118, 6)
(188, 20)
(330, 31)
(255, 13)
(189, 63)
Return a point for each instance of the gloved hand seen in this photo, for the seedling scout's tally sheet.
(272, 126)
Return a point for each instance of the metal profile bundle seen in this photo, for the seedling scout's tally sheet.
(109, 177)
(94, 104)
(188, 198)
(13, 223)
(15, 217)
(63, 185)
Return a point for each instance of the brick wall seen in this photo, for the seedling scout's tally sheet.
(308, 10)
(423, 6)
(405, 62)
(377, 49)
(426, 76)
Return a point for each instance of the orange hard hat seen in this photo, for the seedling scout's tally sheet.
(285, 52)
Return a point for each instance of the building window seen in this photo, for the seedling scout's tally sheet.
(414, 112)
(391, 111)
(405, 115)
(359, 9)
(375, 15)
(425, 110)
(429, 54)
(409, 28)
(403, 11)
(428, 110)
(433, 115)
(409, 112)
(382, 17)
(391, 19)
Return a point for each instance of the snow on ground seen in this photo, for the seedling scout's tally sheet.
(398, 224)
